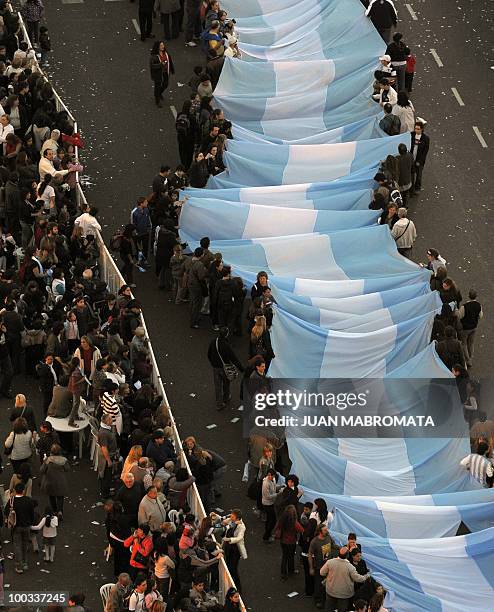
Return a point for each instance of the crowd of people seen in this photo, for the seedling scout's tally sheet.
(87, 348)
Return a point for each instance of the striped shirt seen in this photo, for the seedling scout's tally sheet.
(479, 467)
(110, 406)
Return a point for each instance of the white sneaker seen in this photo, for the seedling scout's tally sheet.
(191, 43)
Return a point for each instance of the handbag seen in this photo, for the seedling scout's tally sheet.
(229, 369)
(8, 450)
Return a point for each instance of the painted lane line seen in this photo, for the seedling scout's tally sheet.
(436, 58)
(480, 137)
(457, 96)
(72, 1)
(174, 111)
(412, 12)
(136, 26)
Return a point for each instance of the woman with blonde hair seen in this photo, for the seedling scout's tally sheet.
(260, 341)
(22, 409)
(135, 453)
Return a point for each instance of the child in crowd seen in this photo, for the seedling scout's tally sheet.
(410, 69)
(49, 524)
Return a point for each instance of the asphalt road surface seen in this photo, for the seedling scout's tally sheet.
(100, 68)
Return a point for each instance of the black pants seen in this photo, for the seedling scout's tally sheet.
(121, 557)
(145, 23)
(416, 178)
(270, 521)
(33, 31)
(232, 558)
(221, 386)
(143, 244)
(128, 272)
(106, 481)
(409, 81)
(7, 373)
(47, 395)
(193, 12)
(186, 151)
(195, 296)
(16, 463)
(287, 559)
(56, 503)
(171, 25)
(309, 580)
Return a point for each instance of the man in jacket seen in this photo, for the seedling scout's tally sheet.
(405, 163)
(151, 510)
(118, 594)
(220, 352)
(340, 578)
(390, 123)
(404, 233)
(141, 219)
(322, 547)
(48, 373)
(130, 496)
(383, 15)
(196, 284)
(160, 449)
(419, 149)
(24, 510)
(470, 314)
(269, 492)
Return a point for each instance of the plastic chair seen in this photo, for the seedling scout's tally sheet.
(104, 592)
(174, 517)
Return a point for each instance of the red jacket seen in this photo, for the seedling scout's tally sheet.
(144, 546)
(288, 536)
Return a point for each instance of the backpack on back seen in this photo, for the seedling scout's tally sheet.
(182, 125)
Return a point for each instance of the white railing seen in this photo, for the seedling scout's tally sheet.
(114, 279)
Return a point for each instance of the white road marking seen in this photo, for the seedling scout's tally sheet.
(174, 111)
(457, 96)
(480, 137)
(136, 26)
(72, 1)
(436, 58)
(412, 12)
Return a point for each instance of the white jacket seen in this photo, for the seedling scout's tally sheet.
(407, 117)
(238, 539)
(404, 233)
(45, 167)
(88, 224)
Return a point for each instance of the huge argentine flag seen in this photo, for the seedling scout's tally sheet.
(306, 29)
(253, 164)
(303, 99)
(238, 220)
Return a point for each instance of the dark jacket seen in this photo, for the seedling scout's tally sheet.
(159, 70)
(227, 354)
(390, 124)
(396, 51)
(24, 509)
(53, 480)
(199, 173)
(382, 13)
(450, 351)
(130, 498)
(423, 148)
(161, 453)
(405, 163)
